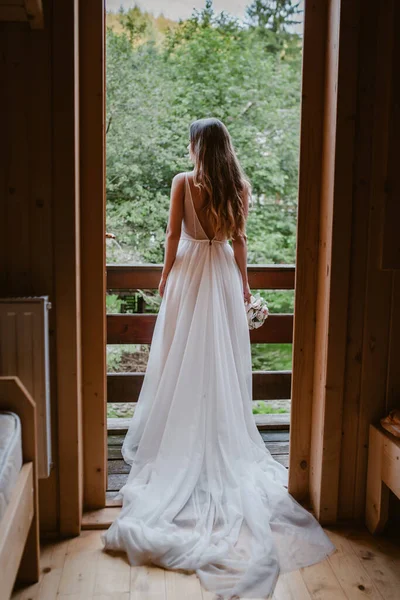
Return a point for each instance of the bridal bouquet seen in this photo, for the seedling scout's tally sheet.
(257, 311)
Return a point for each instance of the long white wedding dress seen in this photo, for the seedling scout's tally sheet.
(204, 494)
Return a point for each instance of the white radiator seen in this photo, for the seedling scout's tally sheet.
(24, 352)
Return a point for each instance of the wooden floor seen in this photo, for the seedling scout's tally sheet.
(277, 441)
(363, 567)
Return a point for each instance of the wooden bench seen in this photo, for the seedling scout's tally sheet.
(19, 526)
(383, 476)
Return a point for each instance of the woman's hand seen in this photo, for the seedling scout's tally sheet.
(161, 285)
(246, 291)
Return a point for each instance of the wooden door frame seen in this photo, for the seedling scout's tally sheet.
(93, 251)
(329, 106)
(307, 245)
(67, 261)
(325, 184)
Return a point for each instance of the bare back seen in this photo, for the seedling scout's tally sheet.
(194, 218)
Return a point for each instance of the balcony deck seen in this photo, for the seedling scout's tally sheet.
(138, 328)
(276, 440)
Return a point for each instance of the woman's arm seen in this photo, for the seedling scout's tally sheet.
(173, 232)
(239, 245)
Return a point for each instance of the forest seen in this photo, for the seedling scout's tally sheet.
(161, 75)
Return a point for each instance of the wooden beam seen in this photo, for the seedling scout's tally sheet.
(271, 385)
(131, 277)
(67, 263)
(93, 280)
(138, 329)
(312, 111)
(267, 385)
(334, 255)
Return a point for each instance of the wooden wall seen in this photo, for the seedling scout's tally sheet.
(26, 234)
(39, 223)
(372, 381)
(356, 337)
(346, 354)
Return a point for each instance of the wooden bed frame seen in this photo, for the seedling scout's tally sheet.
(19, 527)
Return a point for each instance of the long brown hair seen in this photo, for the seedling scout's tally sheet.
(218, 173)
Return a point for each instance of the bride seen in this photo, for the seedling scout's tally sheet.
(204, 493)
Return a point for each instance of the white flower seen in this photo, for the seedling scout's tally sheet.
(257, 311)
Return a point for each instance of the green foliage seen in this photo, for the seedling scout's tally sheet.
(262, 408)
(161, 77)
(115, 352)
(113, 304)
(271, 357)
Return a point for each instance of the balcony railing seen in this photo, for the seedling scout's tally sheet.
(138, 328)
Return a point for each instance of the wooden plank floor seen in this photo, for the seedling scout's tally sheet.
(277, 441)
(363, 567)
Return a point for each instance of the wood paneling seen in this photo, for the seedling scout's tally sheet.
(390, 258)
(378, 283)
(358, 263)
(93, 276)
(132, 277)
(372, 382)
(26, 236)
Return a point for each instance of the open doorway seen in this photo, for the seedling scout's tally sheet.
(163, 71)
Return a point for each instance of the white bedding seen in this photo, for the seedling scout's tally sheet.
(10, 456)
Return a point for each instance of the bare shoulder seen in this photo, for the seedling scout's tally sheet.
(178, 179)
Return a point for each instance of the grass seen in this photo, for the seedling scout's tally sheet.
(262, 408)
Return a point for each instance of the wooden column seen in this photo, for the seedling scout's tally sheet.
(93, 269)
(312, 111)
(330, 67)
(334, 255)
(67, 261)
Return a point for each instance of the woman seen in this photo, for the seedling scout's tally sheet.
(203, 493)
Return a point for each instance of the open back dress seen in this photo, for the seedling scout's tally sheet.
(204, 494)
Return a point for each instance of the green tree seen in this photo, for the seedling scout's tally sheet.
(209, 65)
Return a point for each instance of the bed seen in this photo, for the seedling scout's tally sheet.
(19, 525)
